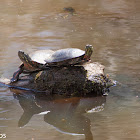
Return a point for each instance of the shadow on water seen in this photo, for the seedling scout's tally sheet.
(65, 114)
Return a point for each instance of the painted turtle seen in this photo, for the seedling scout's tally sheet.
(43, 59)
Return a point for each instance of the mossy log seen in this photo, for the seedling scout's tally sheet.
(88, 79)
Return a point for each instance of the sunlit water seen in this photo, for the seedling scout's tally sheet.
(113, 28)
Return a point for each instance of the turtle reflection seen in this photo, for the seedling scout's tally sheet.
(65, 114)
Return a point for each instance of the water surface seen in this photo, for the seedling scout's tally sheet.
(113, 28)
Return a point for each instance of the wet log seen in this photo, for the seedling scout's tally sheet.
(88, 79)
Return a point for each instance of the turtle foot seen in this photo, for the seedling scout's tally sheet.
(13, 80)
(16, 75)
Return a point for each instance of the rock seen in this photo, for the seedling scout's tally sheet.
(88, 79)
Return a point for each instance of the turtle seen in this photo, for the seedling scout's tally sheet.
(44, 59)
(69, 9)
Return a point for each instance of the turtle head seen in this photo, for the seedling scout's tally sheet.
(23, 56)
(88, 51)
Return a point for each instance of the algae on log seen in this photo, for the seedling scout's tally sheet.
(88, 79)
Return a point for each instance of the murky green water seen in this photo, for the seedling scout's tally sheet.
(113, 28)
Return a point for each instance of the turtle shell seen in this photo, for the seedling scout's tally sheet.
(64, 57)
(41, 56)
(64, 54)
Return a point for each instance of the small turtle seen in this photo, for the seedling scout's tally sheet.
(43, 59)
(69, 9)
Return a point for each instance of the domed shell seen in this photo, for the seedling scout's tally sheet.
(41, 55)
(65, 54)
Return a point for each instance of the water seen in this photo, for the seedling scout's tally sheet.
(113, 28)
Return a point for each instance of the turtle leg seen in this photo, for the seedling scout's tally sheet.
(16, 74)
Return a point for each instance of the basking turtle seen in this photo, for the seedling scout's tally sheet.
(44, 59)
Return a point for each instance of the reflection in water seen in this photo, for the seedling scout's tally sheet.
(65, 114)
